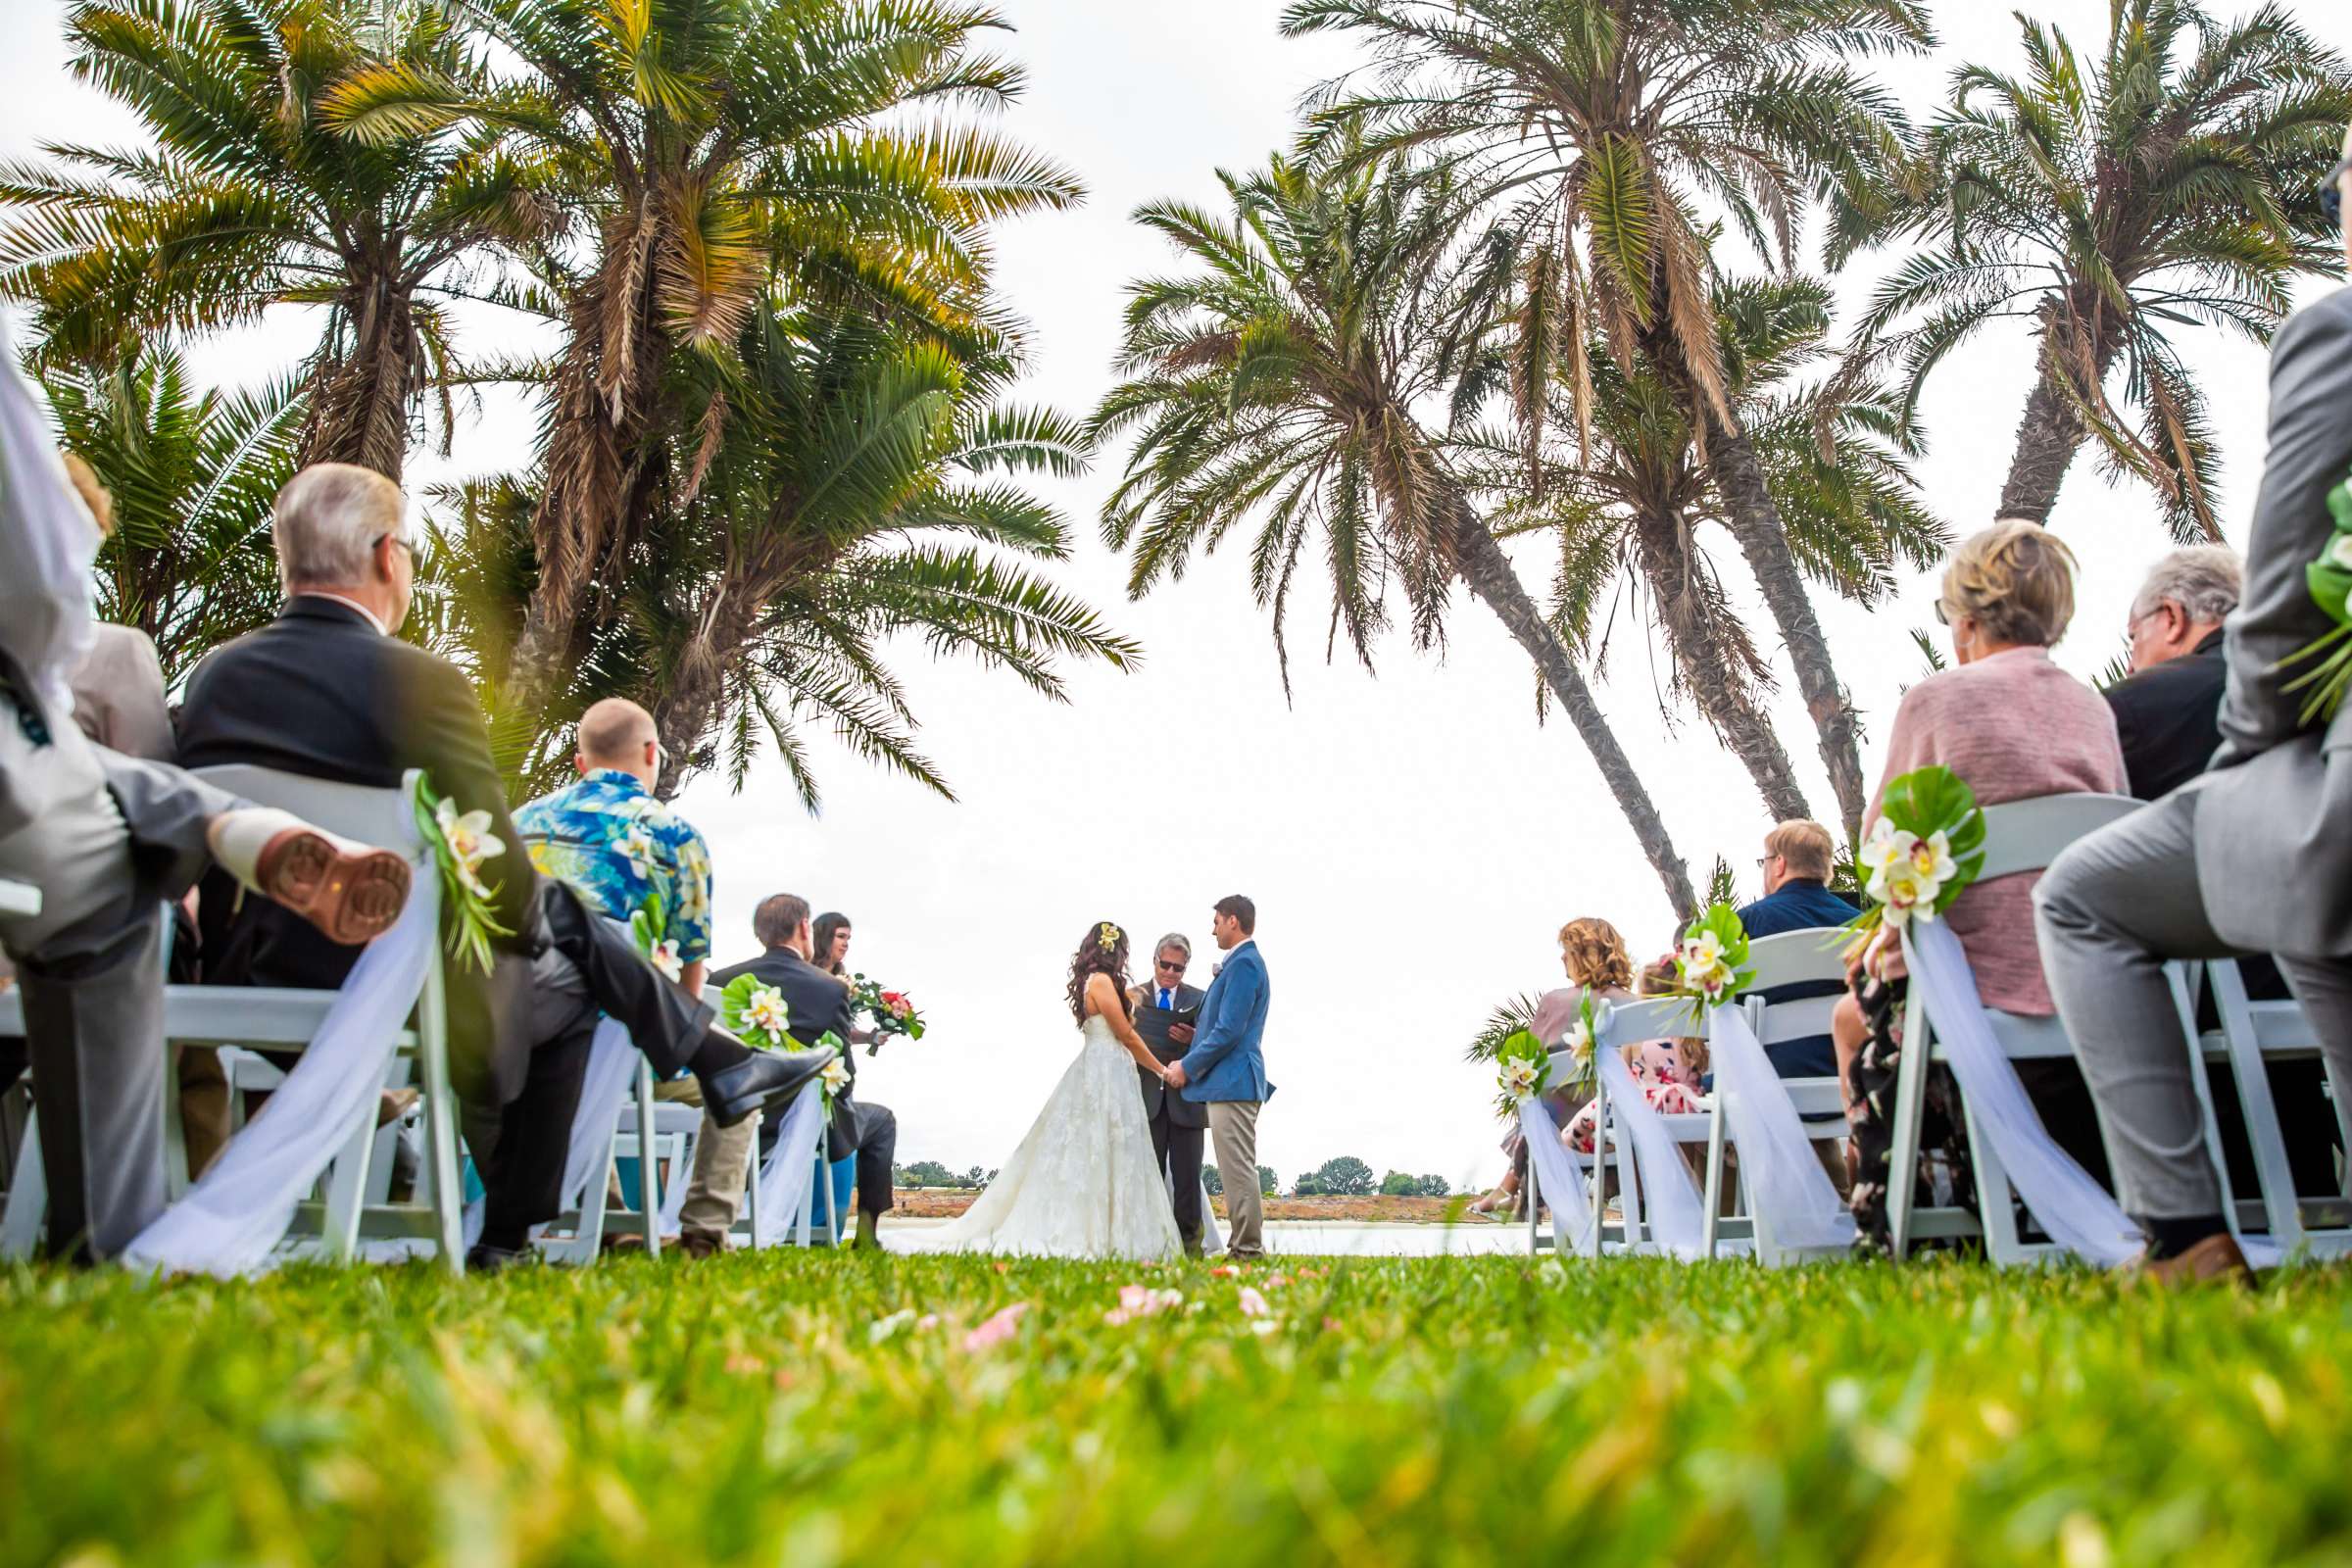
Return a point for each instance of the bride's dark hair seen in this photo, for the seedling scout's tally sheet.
(1103, 951)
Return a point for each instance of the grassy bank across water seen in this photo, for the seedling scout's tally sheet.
(816, 1409)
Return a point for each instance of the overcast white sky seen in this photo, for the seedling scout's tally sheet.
(1412, 840)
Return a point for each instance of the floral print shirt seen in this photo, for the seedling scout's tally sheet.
(616, 844)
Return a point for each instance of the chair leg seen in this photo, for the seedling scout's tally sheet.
(649, 1180)
(1910, 1112)
(824, 1145)
(1532, 1190)
(440, 1121)
(2260, 1113)
(27, 1197)
(1596, 1192)
(1996, 1199)
(347, 1188)
(1709, 1227)
(177, 1180)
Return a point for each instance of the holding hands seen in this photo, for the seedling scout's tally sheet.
(1173, 1075)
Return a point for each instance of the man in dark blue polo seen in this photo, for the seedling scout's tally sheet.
(1796, 897)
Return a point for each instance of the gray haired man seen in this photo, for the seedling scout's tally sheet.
(2249, 856)
(1179, 1127)
(2167, 715)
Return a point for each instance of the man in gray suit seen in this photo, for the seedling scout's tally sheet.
(2253, 855)
(1179, 1127)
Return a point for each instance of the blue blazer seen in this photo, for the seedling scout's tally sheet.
(1226, 1061)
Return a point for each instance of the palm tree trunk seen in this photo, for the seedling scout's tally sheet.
(359, 399)
(1713, 677)
(1754, 521)
(1487, 572)
(2047, 438)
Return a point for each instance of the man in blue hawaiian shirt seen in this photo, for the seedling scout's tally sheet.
(621, 847)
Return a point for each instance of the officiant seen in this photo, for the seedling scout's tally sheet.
(1165, 1010)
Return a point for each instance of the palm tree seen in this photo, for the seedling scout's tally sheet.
(251, 198)
(192, 474)
(1596, 129)
(1276, 384)
(864, 488)
(2175, 182)
(1837, 455)
(712, 151)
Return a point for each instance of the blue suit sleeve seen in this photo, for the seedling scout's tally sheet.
(1218, 1035)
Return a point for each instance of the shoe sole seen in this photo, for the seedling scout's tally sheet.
(351, 897)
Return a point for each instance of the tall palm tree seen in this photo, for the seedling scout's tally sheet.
(2173, 182)
(1597, 128)
(866, 487)
(712, 151)
(1276, 384)
(192, 474)
(251, 198)
(1837, 454)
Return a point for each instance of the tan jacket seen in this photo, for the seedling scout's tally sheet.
(118, 695)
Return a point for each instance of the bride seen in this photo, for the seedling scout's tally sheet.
(1084, 1183)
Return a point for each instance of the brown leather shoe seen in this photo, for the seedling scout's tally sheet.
(2215, 1261)
(699, 1244)
(350, 891)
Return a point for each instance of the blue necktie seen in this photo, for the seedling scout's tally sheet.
(1163, 999)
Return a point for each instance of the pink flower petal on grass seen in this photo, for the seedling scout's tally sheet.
(1253, 1304)
(996, 1329)
(1135, 1298)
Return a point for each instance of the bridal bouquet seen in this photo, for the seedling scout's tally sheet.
(756, 1013)
(1708, 964)
(1922, 852)
(461, 841)
(2330, 579)
(1523, 1066)
(892, 1011)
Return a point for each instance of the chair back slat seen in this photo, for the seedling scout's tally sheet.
(1796, 956)
(378, 816)
(2027, 835)
(1803, 1019)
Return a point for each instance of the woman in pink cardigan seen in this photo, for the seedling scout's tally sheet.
(2013, 726)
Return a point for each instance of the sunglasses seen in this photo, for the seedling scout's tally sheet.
(1179, 966)
(2331, 193)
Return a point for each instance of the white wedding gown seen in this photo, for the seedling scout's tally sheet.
(1083, 1184)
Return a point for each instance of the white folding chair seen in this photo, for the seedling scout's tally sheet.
(2020, 836)
(2251, 1035)
(1792, 957)
(1629, 1022)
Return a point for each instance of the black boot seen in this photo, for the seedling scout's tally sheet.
(765, 1080)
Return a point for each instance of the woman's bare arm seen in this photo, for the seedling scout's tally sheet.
(1105, 995)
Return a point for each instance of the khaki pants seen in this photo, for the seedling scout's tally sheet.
(1233, 1128)
(722, 1163)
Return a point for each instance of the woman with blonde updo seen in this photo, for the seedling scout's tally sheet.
(2013, 726)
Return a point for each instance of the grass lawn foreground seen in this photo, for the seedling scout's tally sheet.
(811, 1409)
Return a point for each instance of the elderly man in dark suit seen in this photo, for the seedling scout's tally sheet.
(2167, 715)
(1179, 1127)
(821, 1003)
(2250, 857)
(326, 691)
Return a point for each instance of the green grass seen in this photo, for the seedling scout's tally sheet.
(1427, 1410)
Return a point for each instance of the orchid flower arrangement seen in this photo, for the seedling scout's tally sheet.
(1522, 1069)
(1709, 963)
(756, 1013)
(650, 925)
(1925, 849)
(461, 841)
(2330, 579)
(1589, 1026)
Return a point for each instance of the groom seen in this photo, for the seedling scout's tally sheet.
(1226, 1069)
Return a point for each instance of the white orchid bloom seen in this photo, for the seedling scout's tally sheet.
(1703, 950)
(1907, 894)
(470, 842)
(637, 846)
(2340, 552)
(766, 1012)
(1519, 1078)
(664, 957)
(835, 1077)
(1931, 858)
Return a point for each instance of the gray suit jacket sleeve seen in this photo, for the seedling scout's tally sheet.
(2310, 453)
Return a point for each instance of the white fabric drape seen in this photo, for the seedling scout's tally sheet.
(1787, 1191)
(1670, 1202)
(241, 1207)
(2075, 1210)
(785, 1174)
(1559, 1182)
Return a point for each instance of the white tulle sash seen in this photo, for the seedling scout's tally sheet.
(1787, 1191)
(1557, 1180)
(240, 1209)
(1669, 1200)
(2075, 1210)
(785, 1174)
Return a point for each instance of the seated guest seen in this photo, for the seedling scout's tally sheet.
(1667, 1071)
(326, 691)
(618, 848)
(821, 1003)
(1592, 956)
(2013, 726)
(2168, 715)
(106, 840)
(2251, 856)
(1796, 897)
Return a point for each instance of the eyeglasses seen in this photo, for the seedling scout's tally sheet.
(2331, 193)
(398, 539)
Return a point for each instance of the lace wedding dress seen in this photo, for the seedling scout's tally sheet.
(1083, 1184)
